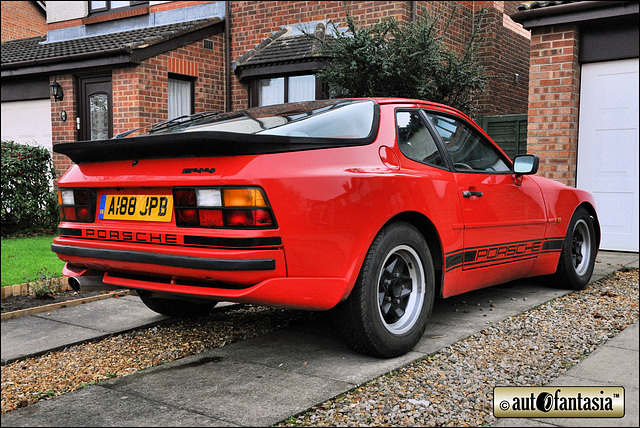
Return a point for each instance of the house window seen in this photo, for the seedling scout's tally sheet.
(105, 6)
(180, 97)
(286, 89)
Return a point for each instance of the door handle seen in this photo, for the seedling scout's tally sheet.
(469, 193)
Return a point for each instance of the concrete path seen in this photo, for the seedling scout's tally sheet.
(262, 381)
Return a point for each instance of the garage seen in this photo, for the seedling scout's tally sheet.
(583, 105)
(27, 122)
(608, 148)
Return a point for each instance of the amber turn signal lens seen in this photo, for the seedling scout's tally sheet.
(244, 198)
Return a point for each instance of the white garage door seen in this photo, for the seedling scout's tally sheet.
(608, 148)
(27, 122)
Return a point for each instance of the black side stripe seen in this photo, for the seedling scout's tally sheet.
(499, 254)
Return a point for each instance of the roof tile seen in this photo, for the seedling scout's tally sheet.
(36, 48)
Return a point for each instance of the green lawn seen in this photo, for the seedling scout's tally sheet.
(25, 257)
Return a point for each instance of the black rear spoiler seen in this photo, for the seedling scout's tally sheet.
(195, 144)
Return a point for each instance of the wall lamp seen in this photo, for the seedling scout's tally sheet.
(56, 91)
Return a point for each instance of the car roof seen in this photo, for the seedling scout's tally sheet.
(438, 106)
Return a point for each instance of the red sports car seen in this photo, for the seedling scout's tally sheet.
(367, 207)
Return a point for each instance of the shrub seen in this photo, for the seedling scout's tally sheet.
(29, 202)
(406, 60)
(43, 285)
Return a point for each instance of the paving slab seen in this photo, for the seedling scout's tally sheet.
(107, 317)
(86, 408)
(313, 355)
(34, 335)
(226, 388)
(483, 307)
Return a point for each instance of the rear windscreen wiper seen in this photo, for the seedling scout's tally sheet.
(171, 122)
(182, 119)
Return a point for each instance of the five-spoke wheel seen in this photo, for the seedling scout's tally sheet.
(387, 311)
(579, 249)
(401, 289)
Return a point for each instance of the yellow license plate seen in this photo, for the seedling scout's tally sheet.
(136, 207)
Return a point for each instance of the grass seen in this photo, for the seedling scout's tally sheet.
(24, 258)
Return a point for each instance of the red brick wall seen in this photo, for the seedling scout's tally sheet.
(62, 132)
(253, 21)
(21, 19)
(503, 52)
(458, 34)
(554, 90)
(140, 93)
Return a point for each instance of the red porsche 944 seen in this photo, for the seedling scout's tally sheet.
(365, 207)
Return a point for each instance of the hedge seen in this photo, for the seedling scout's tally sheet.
(29, 201)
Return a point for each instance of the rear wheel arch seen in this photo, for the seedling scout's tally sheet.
(387, 312)
(429, 232)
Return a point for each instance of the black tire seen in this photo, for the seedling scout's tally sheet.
(579, 250)
(387, 311)
(176, 307)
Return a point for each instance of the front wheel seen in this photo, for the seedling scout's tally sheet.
(175, 307)
(388, 309)
(579, 249)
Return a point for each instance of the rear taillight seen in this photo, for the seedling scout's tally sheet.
(222, 207)
(77, 205)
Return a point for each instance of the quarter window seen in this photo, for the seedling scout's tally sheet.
(468, 150)
(414, 139)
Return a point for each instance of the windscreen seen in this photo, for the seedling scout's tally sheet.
(315, 119)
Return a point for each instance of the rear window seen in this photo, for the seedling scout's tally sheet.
(315, 119)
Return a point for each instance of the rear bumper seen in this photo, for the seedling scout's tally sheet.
(165, 259)
(247, 276)
(297, 293)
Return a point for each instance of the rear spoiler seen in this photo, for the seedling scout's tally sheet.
(196, 144)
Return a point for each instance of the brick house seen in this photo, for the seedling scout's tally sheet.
(124, 65)
(24, 19)
(583, 105)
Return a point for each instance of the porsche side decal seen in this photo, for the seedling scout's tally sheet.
(477, 257)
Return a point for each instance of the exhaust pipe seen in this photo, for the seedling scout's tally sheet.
(86, 279)
(90, 283)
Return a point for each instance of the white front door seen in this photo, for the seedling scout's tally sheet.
(608, 148)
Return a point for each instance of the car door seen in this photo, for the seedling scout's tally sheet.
(503, 217)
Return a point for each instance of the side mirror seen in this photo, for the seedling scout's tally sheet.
(526, 164)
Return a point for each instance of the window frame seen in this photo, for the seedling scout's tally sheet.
(192, 83)
(443, 153)
(254, 96)
(108, 9)
(440, 141)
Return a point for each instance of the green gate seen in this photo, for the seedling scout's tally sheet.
(508, 131)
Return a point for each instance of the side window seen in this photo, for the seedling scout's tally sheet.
(467, 149)
(414, 139)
